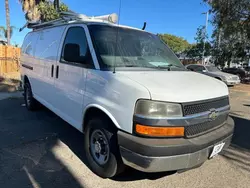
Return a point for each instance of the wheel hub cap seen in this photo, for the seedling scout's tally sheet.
(99, 147)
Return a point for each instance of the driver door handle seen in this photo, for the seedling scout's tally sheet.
(52, 70)
(57, 71)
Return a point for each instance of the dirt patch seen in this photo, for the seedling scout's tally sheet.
(241, 87)
(9, 85)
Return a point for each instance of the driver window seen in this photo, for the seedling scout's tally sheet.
(76, 36)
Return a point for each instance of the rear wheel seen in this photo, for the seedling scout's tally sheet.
(30, 102)
(102, 152)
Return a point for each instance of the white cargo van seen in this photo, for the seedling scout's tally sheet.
(128, 93)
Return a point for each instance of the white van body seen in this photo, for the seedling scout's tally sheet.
(71, 89)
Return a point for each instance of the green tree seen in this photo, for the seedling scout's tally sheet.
(177, 44)
(197, 49)
(4, 31)
(7, 10)
(231, 35)
(48, 11)
(43, 10)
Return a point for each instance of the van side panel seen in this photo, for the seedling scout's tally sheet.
(46, 55)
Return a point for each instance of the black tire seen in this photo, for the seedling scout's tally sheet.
(30, 102)
(114, 164)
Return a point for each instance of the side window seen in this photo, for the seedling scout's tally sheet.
(191, 67)
(199, 68)
(48, 42)
(29, 43)
(75, 48)
(25, 43)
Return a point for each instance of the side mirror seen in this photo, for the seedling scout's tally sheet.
(204, 70)
(72, 53)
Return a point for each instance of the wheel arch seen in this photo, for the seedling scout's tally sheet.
(219, 78)
(95, 110)
(25, 79)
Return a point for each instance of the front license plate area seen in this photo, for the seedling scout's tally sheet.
(217, 149)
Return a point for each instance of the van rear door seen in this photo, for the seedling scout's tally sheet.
(30, 65)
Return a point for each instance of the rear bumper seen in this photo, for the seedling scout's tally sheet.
(157, 155)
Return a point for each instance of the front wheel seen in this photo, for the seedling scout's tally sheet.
(102, 152)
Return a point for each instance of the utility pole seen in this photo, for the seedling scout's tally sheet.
(205, 38)
(56, 4)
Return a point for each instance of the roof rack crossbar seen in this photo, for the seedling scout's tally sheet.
(46, 24)
(66, 17)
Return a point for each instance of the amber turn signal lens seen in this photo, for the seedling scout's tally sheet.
(160, 131)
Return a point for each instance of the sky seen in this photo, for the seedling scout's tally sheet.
(177, 17)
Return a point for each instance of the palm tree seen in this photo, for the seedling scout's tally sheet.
(30, 8)
(7, 10)
(42, 10)
(4, 31)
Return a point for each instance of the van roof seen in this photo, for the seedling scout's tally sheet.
(89, 23)
(115, 25)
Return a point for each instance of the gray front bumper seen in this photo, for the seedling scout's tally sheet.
(169, 163)
(167, 154)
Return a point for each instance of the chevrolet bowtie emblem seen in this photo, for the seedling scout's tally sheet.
(213, 115)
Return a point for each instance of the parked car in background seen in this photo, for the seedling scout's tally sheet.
(246, 79)
(242, 73)
(247, 69)
(213, 71)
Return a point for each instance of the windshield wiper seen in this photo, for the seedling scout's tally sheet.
(131, 66)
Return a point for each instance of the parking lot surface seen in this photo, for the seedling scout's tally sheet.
(38, 149)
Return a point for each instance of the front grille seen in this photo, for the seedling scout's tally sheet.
(202, 128)
(199, 107)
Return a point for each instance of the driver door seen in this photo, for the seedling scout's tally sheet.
(71, 74)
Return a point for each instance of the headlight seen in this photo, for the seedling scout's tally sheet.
(155, 109)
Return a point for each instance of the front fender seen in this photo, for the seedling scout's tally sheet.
(104, 111)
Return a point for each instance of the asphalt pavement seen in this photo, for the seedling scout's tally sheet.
(38, 149)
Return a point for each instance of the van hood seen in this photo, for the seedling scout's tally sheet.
(178, 86)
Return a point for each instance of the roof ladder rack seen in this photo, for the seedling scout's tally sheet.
(67, 17)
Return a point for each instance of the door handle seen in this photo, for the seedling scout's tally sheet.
(57, 71)
(52, 71)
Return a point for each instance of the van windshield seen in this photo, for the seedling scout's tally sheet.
(131, 48)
